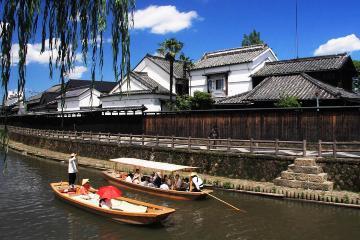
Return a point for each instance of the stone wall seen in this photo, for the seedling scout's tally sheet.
(344, 173)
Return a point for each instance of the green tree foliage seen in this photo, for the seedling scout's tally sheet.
(63, 25)
(251, 39)
(170, 48)
(200, 101)
(286, 101)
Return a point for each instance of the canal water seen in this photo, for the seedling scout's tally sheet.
(29, 210)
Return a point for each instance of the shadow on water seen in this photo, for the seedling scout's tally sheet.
(31, 211)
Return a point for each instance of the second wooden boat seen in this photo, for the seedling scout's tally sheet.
(112, 178)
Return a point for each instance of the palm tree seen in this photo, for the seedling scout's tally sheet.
(188, 64)
(170, 48)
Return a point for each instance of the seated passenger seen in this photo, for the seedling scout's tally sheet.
(157, 180)
(105, 203)
(85, 187)
(164, 186)
(177, 184)
(137, 177)
(196, 183)
(145, 180)
(185, 185)
(129, 178)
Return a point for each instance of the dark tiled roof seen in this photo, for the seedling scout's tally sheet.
(74, 92)
(230, 56)
(165, 65)
(101, 86)
(148, 82)
(35, 98)
(301, 86)
(310, 64)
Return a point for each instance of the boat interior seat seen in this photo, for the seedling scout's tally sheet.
(127, 207)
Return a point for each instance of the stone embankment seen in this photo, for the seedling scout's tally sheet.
(269, 189)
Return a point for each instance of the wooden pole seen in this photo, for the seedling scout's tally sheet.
(220, 200)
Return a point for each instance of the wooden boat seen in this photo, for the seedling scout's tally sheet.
(148, 213)
(112, 178)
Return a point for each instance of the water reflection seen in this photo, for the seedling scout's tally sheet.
(29, 210)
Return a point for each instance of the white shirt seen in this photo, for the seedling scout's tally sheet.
(72, 165)
(164, 186)
(197, 182)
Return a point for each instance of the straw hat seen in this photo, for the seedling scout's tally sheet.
(193, 174)
(73, 155)
(84, 181)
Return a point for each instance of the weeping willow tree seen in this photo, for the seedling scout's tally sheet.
(66, 27)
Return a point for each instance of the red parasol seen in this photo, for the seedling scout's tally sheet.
(109, 192)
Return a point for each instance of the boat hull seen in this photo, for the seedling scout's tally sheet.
(170, 194)
(119, 216)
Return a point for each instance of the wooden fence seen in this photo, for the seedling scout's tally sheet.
(252, 146)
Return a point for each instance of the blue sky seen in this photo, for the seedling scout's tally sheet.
(207, 25)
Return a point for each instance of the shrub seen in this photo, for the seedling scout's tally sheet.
(288, 101)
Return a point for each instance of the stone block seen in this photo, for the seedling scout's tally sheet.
(305, 169)
(325, 186)
(305, 162)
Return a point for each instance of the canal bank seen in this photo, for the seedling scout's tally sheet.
(267, 189)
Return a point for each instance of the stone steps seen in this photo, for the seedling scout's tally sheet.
(324, 186)
(321, 177)
(304, 173)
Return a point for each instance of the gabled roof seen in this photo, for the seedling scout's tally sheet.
(142, 78)
(310, 64)
(74, 92)
(230, 56)
(35, 98)
(301, 86)
(148, 82)
(101, 86)
(165, 65)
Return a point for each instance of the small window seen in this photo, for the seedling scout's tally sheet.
(220, 84)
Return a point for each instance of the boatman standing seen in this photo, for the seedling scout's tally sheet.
(196, 183)
(72, 170)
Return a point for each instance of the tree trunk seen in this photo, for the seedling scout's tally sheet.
(171, 79)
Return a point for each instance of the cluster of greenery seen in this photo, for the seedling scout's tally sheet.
(170, 49)
(252, 39)
(200, 101)
(286, 101)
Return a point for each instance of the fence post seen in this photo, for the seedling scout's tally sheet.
(142, 140)
(157, 140)
(91, 138)
(130, 140)
(228, 144)
(108, 137)
(251, 145)
(319, 148)
(189, 143)
(276, 147)
(334, 149)
(172, 142)
(208, 143)
(304, 147)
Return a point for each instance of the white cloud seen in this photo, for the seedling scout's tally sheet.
(34, 54)
(348, 43)
(163, 19)
(77, 72)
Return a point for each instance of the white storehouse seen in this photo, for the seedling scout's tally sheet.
(228, 72)
(78, 94)
(143, 91)
(149, 85)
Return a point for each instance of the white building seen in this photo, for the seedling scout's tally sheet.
(149, 85)
(80, 95)
(227, 72)
(143, 91)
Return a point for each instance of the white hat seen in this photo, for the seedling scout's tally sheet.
(84, 181)
(73, 155)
